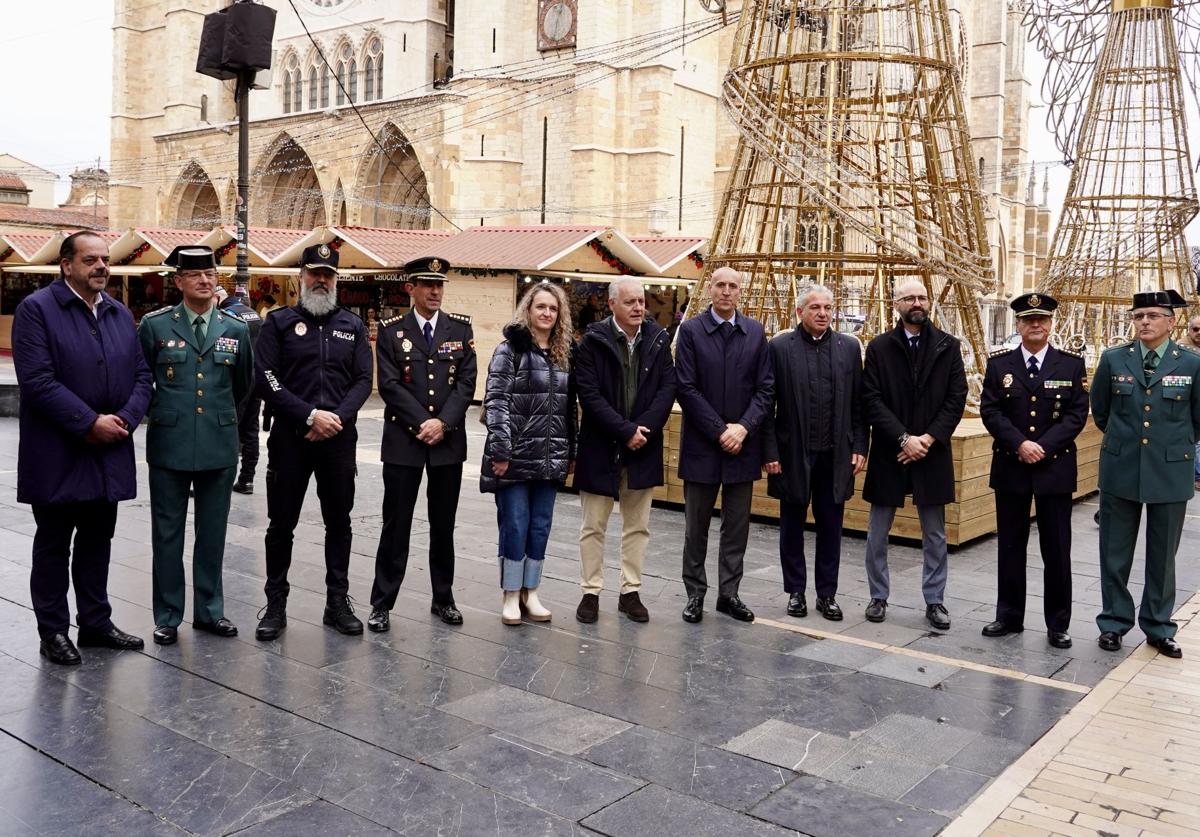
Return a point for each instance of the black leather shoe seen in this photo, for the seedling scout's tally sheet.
(1001, 628)
(589, 608)
(111, 637)
(448, 613)
(877, 610)
(1059, 639)
(272, 619)
(1110, 641)
(58, 648)
(165, 634)
(380, 621)
(937, 616)
(735, 607)
(222, 627)
(797, 606)
(631, 605)
(243, 487)
(694, 610)
(340, 614)
(828, 607)
(1167, 646)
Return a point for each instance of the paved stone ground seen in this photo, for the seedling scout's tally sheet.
(614, 728)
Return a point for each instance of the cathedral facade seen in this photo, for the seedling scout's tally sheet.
(443, 113)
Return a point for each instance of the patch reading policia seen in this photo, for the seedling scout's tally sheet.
(1034, 305)
(426, 267)
(319, 257)
(191, 257)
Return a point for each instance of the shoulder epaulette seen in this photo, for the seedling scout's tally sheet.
(999, 352)
(1070, 353)
(462, 318)
(158, 311)
(389, 321)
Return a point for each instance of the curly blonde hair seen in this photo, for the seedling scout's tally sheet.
(561, 334)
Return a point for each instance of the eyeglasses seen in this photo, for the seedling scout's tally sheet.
(909, 300)
(1150, 315)
(197, 274)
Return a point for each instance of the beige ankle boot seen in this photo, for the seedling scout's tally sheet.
(533, 607)
(510, 612)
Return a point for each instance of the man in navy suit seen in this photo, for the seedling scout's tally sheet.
(1034, 403)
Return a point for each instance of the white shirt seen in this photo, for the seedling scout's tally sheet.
(1041, 356)
(94, 306)
(433, 321)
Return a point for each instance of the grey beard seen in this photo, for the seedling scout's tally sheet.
(318, 304)
(915, 318)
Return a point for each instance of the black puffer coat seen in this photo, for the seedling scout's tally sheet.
(530, 414)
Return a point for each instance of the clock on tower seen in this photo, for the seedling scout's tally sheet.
(557, 24)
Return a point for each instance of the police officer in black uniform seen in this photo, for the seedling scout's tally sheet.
(427, 380)
(238, 306)
(1034, 403)
(313, 368)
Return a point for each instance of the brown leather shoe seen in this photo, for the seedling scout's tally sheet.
(631, 605)
(589, 608)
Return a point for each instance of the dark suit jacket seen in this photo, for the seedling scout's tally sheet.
(70, 367)
(899, 398)
(722, 382)
(417, 385)
(1152, 464)
(786, 429)
(1050, 409)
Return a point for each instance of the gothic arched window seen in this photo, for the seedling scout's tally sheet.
(373, 71)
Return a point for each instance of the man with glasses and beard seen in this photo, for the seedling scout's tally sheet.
(914, 392)
(313, 368)
(1146, 402)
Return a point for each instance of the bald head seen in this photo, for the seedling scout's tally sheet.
(911, 301)
(725, 289)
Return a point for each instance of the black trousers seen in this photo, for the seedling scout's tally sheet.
(827, 519)
(1012, 542)
(699, 499)
(400, 484)
(92, 524)
(291, 461)
(248, 438)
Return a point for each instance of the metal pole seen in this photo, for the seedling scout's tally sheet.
(243, 182)
(545, 145)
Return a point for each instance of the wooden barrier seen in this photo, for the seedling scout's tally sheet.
(973, 513)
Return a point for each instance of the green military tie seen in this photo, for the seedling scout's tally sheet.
(198, 327)
(1150, 364)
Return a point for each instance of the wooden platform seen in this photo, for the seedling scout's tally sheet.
(971, 516)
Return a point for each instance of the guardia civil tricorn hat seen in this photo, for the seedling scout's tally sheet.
(1170, 298)
(191, 257)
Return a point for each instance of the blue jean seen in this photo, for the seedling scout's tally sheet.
(524, 512)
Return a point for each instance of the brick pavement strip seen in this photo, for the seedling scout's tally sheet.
(1123, 761)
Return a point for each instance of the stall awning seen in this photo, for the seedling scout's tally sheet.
(605, 278)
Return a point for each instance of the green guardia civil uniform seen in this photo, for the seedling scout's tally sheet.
(1151, 421)
(192, 443)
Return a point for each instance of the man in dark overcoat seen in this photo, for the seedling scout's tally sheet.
(84, 388)
(726, 389)
(1147, 402)
(625, 380)
(249, 410)
(427, 366)
(914, 392)
(815, 444)
(1034, 403)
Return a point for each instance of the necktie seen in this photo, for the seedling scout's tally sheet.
(1033, 366)
(429, 336)
(726, 330)
(913, 341)
(1151, 363)
(198, 327)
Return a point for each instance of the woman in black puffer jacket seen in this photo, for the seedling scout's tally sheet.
(530, 448)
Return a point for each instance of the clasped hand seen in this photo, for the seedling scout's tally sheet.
(914, 449)
(325, 425)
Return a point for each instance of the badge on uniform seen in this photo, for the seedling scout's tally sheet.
(227, 344)
(170, 373)
(450, 346)
(408, 378)
(406, 345)
(1008, 379)
(1058, 384)
(301, 329)
(1177, 380)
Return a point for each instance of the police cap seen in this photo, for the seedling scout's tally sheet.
(1034, 305)
(320, 257)
(426, 267)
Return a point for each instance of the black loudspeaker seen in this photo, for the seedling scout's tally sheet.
(212, 43)
(236, 39)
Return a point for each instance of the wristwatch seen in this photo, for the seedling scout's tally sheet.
(903, 439)
(311, 417)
